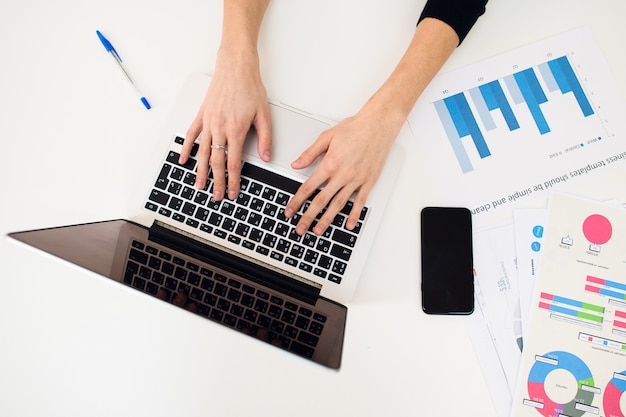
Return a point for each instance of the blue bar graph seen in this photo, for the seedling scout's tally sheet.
(523, 87)
(533, 96)
(568, 82)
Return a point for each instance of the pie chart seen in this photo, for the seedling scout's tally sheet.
(614, 401)
(559, 381)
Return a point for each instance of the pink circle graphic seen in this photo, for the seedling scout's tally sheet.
(597, 229)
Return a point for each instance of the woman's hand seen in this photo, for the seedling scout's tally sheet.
(354, 153)
(235, 101)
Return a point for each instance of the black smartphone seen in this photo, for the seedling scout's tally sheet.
(447, 260)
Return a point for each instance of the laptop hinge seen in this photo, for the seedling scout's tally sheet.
(236, 263)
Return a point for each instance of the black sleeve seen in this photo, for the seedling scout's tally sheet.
(459, 14)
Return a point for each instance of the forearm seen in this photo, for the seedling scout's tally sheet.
(431, 46)
(240, 29)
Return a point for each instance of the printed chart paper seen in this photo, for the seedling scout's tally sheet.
(502, 133)
(574, 359)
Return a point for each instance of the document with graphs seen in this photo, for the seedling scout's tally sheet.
(502, 133)
(574, 358)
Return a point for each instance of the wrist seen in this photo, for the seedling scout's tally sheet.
(237, 60)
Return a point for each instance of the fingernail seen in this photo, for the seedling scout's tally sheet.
(289, 212)
(232, 194)
(319, 229)
(217, 195)
(267, 154)
(301, 229)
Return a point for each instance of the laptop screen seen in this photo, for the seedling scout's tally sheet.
(204, 280)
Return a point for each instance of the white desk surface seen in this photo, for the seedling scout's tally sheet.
(75, 344)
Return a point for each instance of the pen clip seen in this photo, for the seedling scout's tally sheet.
(108, 46)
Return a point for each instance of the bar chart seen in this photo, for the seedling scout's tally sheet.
(460, 119)
(503, 132)
(576, 311)
(607, 288)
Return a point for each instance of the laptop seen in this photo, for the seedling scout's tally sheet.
(235, 262)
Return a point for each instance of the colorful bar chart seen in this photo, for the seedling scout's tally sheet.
(461, 120)
(570, 307)
(606, 287)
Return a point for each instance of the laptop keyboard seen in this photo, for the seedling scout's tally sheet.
(255, 220)
(219, 296)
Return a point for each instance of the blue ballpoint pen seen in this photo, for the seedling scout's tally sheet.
(118, 60)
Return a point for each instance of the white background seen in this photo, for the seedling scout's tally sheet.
(73, 136)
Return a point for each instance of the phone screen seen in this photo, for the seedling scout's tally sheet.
(447, 262)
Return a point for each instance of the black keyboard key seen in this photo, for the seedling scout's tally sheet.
(174, 188)
(234, 295)
(268, 193)
(256, 204)
(316, 328)
(308, 339)
(282, 199)
(207, 284)
(325, 262)
(187, 193)
(334, 278)
(268, 224)
(215, 219)
(242, 229)
(305, 312)
(172, 157)
(289, 317)
(247, 300)
(194, 279)
(189, 208)
(217, 315)
(270, 209)
(230, 320)
(302, 322)
(177, 174)
(270, 178)
(221, 289)
(190, 178)
(255, 219)
(255, 188)
(300, 349)
(264, 321)
(243, 199)
(167, 268)
(282, 229)
(227, 208)
(165, 212)
(341, 252)
(319, 317)
(269, 240)
(202, 214)
(201, 198)
(138, 256)
(229, 224)
(162, 180)
(175, 203)
(339, 267)
(159, 197)
(274, 311)
(345, 238)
